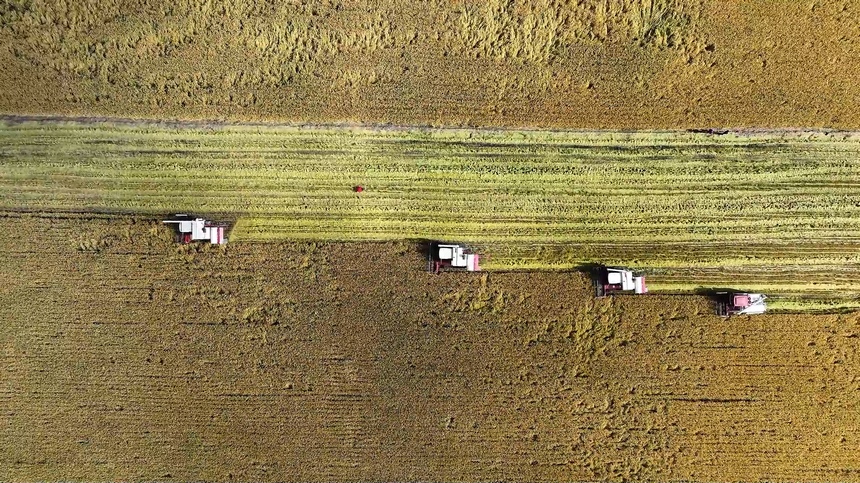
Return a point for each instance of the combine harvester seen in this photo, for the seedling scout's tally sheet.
(740, 303)
(451, 257)
(198, 229)
(615, 280)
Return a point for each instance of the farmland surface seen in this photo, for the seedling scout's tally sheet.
(315, 346)
(132, 358)
(777, 212)
(589, 64)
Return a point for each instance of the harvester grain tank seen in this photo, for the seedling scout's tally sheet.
(198, 229)
(612, 280)
(740, 303)
(452, 256)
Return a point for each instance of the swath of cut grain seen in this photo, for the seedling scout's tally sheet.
(693, 210)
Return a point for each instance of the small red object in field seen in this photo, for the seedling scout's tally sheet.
(358, 188)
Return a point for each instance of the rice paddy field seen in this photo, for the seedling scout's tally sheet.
(711, 145)
(644, 64)
(756, 211)
(137, 359)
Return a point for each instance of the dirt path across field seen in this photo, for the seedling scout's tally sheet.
(179, 123)
(126, 357)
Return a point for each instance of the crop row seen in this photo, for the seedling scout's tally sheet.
(775, 211)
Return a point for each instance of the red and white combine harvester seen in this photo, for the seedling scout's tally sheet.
(451, 256)
(610, 280)
(737, 303)
(198, 229)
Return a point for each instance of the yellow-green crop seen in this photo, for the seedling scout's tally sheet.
(775, 212)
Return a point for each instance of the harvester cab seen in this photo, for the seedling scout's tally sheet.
(611, 280)
(737, 303)
(190, 229)
(451, 256)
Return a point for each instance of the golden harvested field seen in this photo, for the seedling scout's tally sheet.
(712, 145)
(771, 212)
(344, 362)
(593, 64)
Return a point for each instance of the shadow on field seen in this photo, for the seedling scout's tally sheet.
(421, 245)
(716, 132)
(714, 292)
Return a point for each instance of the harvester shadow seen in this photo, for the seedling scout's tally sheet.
(713, 292)
(716, 132)
(592, 271)
(717, 296)
(421, 245)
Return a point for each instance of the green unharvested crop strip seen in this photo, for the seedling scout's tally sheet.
(755, 211)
